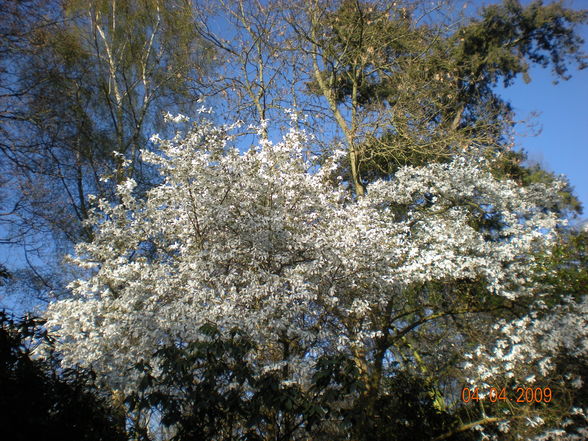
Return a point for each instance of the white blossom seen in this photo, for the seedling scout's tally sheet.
(254, 240)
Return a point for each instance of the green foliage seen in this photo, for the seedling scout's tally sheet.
(40, 401)
(212, 390)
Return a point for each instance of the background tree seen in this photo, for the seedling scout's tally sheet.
(90, 82)
(253, 78)
(407, 86)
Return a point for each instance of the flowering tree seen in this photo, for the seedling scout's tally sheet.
(265, 242)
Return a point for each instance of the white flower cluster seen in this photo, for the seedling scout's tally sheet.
(255, 240)
(526, 348)
(530, 348)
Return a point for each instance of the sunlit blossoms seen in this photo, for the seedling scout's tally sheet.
(262, 241)
(547, 347)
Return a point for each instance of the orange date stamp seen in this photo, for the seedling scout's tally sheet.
(521, 395)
